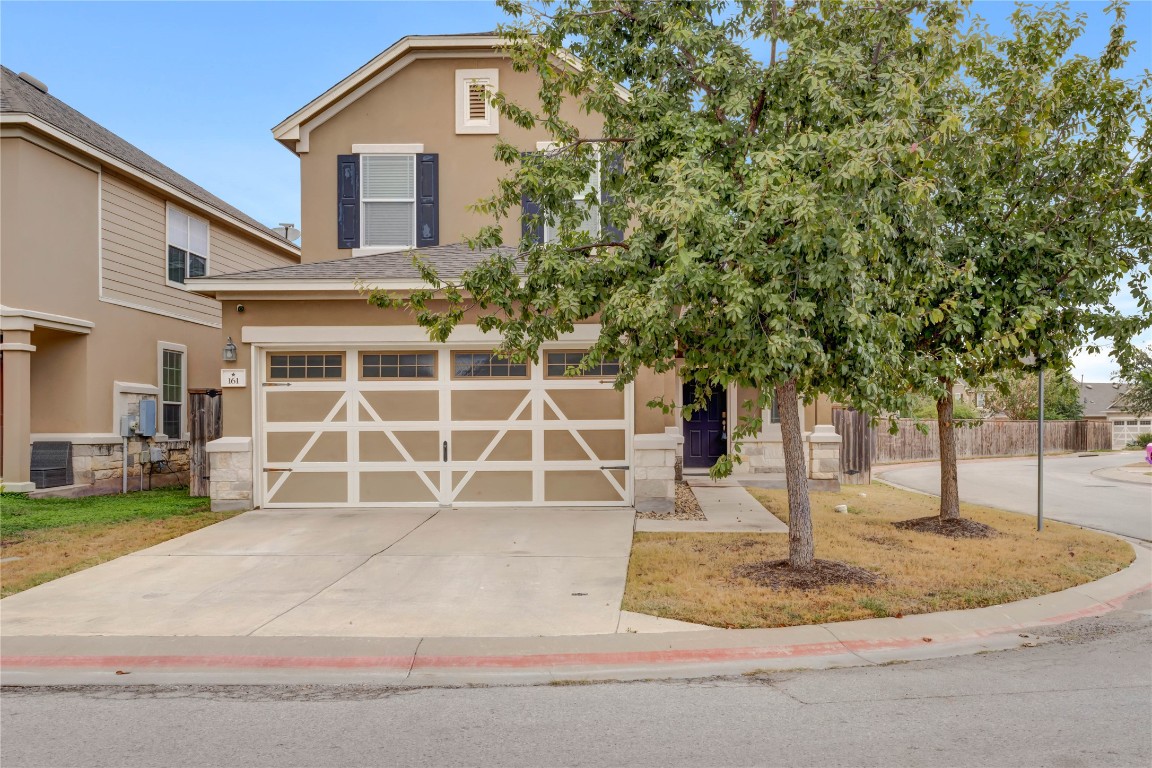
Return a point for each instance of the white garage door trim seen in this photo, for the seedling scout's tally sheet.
(536, 390)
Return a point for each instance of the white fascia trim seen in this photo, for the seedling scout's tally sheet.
(394, 334)
(284, 130)
(15, 319)
(387, 149)
(129, 170)
(305, 130)
(18, 132)
(160, 312)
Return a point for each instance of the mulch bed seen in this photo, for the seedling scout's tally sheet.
(953, 528)
(687, 507)
(777, 574)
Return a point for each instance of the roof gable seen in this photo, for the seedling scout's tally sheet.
(292, 132)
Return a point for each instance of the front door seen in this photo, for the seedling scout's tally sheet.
(706, 433)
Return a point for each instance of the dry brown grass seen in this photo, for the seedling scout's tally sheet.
(690, 576)
(49, 554)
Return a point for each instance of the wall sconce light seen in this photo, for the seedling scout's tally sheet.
(229, 351)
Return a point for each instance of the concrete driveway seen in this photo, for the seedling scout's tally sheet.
(1084, 490)
(353, 573)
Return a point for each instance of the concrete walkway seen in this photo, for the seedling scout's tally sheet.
(727, 505)
(73, 660)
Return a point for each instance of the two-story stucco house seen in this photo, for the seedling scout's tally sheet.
(349, 404)
(97, 242)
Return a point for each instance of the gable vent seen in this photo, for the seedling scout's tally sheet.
(477, 101)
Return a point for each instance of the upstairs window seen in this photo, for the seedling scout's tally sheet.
(474, 111)
(388, 201)
(187, 246)
(591, 220)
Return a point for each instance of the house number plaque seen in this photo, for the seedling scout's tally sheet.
(233, 377)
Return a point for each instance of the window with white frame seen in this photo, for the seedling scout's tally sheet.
(388, 201)
(187, 246)
(591, 220)
(173, 391)
(474, 110)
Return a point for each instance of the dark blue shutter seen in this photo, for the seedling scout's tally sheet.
(613, 166)
(348, 201)
(427, 200)
(531, 222)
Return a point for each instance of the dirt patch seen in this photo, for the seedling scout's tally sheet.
(687, 507)
(958, 528)
(778, 574)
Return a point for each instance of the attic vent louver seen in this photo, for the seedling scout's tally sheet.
(37, 84)
(477, 103)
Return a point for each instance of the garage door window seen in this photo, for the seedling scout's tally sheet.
(486, 365)
(305, 367)
(559, 364)
(398, 365)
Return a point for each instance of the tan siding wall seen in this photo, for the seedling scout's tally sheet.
(417, 105)
(134, 253)
(50, 237)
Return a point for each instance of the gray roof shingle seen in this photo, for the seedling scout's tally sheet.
(1098, 397)
(20, 97)
(450, 261)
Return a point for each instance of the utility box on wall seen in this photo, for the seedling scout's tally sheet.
(147, 426)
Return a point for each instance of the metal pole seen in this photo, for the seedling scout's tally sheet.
(1040, 458)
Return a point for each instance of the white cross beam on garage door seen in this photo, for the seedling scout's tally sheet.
(528, 441)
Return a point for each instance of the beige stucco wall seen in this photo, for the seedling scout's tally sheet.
(357, 312)
(50, 243)
(417, 105)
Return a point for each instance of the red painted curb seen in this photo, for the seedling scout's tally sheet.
(531, 661)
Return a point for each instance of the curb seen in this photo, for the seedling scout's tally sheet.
(104, 660)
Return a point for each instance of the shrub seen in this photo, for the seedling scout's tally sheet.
(1141, 440)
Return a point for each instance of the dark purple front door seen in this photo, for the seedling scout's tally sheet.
(705, 434)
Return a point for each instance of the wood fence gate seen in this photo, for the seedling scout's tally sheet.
(856, 446)
(206, 425)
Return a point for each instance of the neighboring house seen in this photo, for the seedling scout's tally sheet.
(1101, 401)
(97, 241)
(977, 397)
(349, 404)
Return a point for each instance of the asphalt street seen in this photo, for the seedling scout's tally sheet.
(1072, 492)
(1084, 699)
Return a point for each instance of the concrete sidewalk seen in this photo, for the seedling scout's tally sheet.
(74, 660)
(727, 505)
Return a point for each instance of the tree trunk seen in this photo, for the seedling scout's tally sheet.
(801, 548)
(949, 484)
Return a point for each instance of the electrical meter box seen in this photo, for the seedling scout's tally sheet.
(147, 426)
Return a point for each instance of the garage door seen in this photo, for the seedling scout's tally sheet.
(1125, 431)
(402, 427)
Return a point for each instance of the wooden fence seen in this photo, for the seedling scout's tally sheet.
(205, 426)
(992, 437)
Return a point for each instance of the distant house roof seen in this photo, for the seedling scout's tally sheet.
(20, 97)
(1099, 397)
(395, 268)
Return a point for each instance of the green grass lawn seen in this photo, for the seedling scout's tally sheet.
(44, 539)
(19, 514)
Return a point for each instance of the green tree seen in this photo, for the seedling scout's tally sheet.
(1017, 395)
(779, 207)
(1044, 191)
(1138, 375)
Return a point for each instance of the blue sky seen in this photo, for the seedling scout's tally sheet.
(199, 85)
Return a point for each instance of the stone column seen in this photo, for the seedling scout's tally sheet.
(824, 453)
(17, 350)
(654, 470)
(230, 476)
